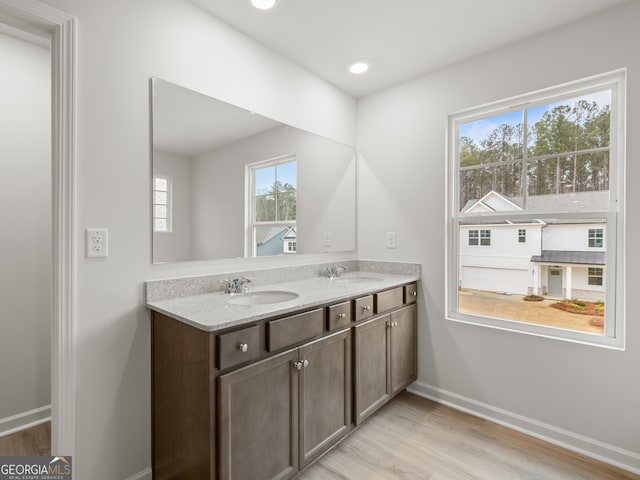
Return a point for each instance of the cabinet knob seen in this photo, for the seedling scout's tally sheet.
(395, 324)
(342, 315)
(243, 347)
(297, 365)
(305, 363)
(366, 308)
(414, 293)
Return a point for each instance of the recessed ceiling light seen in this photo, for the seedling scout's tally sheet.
(358, 67)
(264, 4)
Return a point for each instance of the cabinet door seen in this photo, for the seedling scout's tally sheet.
(372, 386)
(325, 394)
(403, 348)
(259, 420)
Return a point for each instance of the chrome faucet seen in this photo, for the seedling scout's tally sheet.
(237, 285)
(334, 271)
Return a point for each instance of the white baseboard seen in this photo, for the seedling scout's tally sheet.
(605, 452)
(143, 475)
(24, 420)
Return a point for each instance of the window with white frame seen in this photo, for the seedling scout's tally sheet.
(596, 238)
(595, 276)
(522, 235)
(272, 206)
(551, 160)
(480, 237)
(162, 203)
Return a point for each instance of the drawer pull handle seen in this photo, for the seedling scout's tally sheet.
(342, 315)
(366, 308)
(243, 347)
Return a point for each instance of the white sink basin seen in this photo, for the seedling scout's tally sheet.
(263, 298)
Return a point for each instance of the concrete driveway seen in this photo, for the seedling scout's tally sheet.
(513, 307)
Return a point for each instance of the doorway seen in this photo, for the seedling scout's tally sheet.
(555, 281)
(59, 29)
(26, 181)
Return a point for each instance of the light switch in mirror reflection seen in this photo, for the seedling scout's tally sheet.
(208, 151)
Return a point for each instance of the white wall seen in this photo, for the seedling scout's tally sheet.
(581, 389)
(571, 237)
(25, 238)
(175, 246)
(121, 44)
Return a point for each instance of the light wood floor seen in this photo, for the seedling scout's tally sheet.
(416, 439)
(32, 441)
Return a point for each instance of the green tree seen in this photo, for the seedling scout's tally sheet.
(493, 163)
(278, 204)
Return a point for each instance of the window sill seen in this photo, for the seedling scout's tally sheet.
(543, 331)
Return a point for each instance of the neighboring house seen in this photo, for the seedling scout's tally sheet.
(553, 257)
(276, 240)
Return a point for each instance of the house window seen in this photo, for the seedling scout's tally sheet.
(161, 203)
(485, 238)
(596, 238)
(595, 276)
(543, 167)
(480, 237)
(522, 235)
(474, 236)
(273, 206)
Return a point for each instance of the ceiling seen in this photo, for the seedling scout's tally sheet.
(401, 39)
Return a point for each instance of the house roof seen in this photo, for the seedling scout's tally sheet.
(264, 235)
(563, 201)
(291, 234)
(571, 256)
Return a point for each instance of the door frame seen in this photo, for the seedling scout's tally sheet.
(60, 29)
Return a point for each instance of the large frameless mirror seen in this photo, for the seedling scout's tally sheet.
(230, 183)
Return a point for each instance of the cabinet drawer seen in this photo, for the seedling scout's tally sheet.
(238, 347)
(338, 315)
(363, 307)
(389, 299)
(297, 328)
(410, 293)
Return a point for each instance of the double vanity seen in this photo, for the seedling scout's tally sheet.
(258, 384)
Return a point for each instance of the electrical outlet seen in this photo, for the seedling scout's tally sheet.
(327, 239)
(96, 242)
(392, 239)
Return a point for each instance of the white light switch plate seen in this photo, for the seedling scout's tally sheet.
(96, 243)
(326, 239)
(392, 240)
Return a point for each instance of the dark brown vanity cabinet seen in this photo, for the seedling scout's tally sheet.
(371, 366)
(265, 399)
(385, 360)
(403, 353)
(258, 430)
(279, 414)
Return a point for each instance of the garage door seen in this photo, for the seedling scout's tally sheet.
(495, 279)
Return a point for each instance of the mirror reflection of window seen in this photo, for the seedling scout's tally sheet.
(273, 206)
(161, 204)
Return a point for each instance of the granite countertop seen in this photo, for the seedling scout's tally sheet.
(213, 311)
